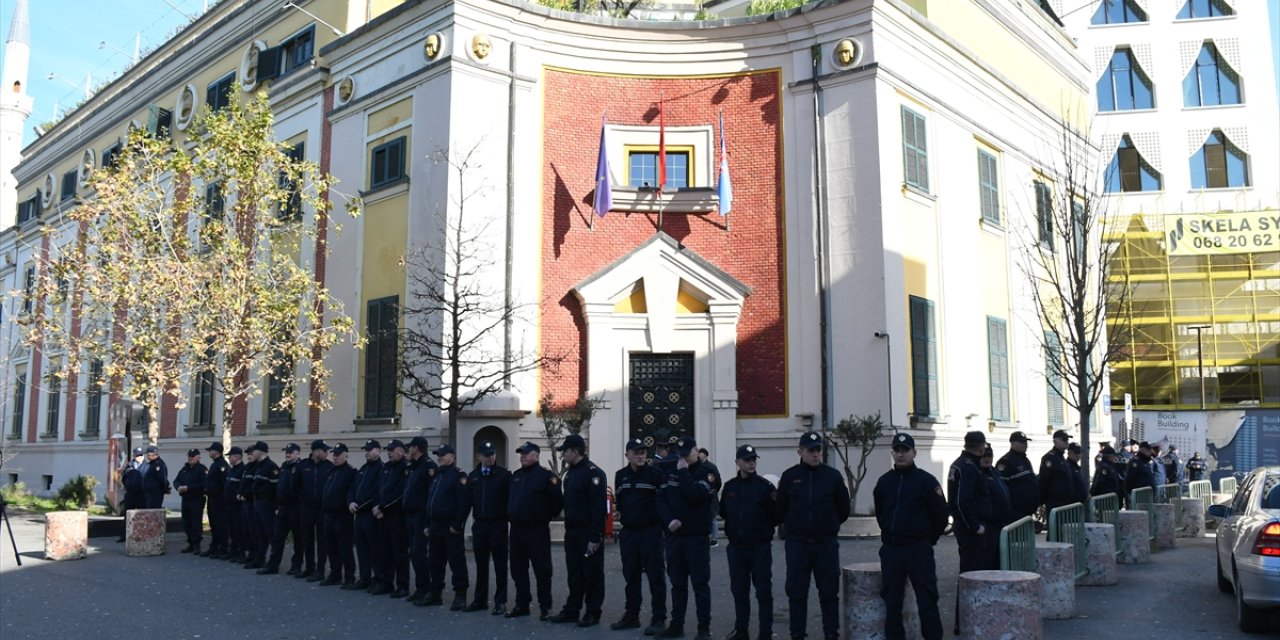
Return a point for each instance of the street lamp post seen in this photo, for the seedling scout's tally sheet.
(88, 83)
(888, 363)
(133, 57)
(1200, 358)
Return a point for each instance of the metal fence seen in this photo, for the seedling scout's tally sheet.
(1140, 499)
(1066, 524)
(1227, 485)
(1171, 494)
(1105, 509)
(1203, 490)
(1018, 546)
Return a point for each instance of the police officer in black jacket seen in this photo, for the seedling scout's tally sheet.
(1019, 476)
(749, 506)
(585, 507)
(393, 576)
(1079, 483)
(190, 484)
(214, 485)
(266, 479)
(311, 474)
(131, 480)
(155, 479)
(1001, 507)
(534, 500)
(238, 536)
(421, 470)
(912, 515)
(245, 497)
(635, 489)
(1139, 473)
(363, 498)
(1196, 467)
(287, 517)
(490, 489)
(813, 502)
(1105, 479)
(683, 505)
(969, 501)
(338, 527)
(447, 508)
(1057, 487)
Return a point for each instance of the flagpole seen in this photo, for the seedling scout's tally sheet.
(661, 164)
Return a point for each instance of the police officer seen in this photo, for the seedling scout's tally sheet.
(155, 479)
(585, 507)
(749, 508)
(311, 474)
(131, 480)
(1139, 473)
(912, 515)
(417, 485)
(1157, 465)
(287, 518)
(1196, 467)
(237, 540)
(244, 497)
(969, 502)
(1105, 479)
(683, 505)
(214, 486)
(490, 489)
(1001, 507)
(636, 493)
(813, 502)
(1175, 471)
(705, 456)
(447, 508)
(190, 484)
(1020, 476)
(339, 529)
(534, 500)
(266, 481)
(393, 536)
(363, 498)
(1079, 484)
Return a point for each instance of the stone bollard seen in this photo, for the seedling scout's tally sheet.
(1192, 525)
(144, 532)
(1057, 569)
(66, 535)
(864, 609)
(1100, 538)
(1164, 526)
(1135, 537)
(999, 605)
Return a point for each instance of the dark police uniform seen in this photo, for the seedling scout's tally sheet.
(155, 482)
(1139, 474)
(813, 502)
(490, 490)
(247, 514)
(534, 500)
(1020, 477)
(969, 503)
(393, 571)
(1106, 480)
(749, 506)
(685, 496)
(585, 507)
(636, 494)
(1196, 468)
(447, 508)
(238, 536)
(364, 494)
(912, 515)
(339, 528)
(215, 483)
(1079, 484)
(1001, 514)
(417, 486)
(1057, 486)
(287, 516)
(131, 480)
(311, 477)
(192, 476)
(265, 479)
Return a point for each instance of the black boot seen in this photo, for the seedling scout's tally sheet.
(432, 599)
(656, 626)
(459, 600)
(628, 621)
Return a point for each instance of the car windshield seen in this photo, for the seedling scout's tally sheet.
(1271, 491)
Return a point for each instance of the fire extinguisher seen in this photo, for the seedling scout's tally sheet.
(608, 513)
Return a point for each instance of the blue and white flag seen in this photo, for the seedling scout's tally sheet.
(603, 201)
(725, 188)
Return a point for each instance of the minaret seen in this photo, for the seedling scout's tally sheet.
(15, 106)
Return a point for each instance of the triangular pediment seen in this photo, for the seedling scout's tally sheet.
(662, 264)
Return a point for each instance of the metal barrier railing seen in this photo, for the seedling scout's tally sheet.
(1066, 524)
(1202, 489)
(1228, 485)
(1018, 546)
(1171, 494)
(1105, 509)
(1140, 499)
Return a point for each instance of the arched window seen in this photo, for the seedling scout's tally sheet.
(1219, 164)
(1211, 80)
(1124, 86)
(1118, 12)
(1204, 9)
(1129, 172)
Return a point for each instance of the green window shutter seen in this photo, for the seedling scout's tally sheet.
(998, 359)
(1053, 378)
(915, 150)
(988, 187)
(924, 360)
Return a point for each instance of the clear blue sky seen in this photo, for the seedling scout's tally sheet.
(65, 37)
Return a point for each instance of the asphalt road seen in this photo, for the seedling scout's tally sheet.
(109, 595)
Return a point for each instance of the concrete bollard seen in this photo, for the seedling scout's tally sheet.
(1164, 526)
(1192, 525)
(66, 535)
(144, 532)
(1000, 605)
(1100, 538)
(1135, 537)
(864, 609)
(1057, 569)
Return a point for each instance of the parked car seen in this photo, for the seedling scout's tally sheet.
(1249, 547)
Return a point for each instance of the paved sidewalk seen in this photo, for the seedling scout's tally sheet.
(109, 595)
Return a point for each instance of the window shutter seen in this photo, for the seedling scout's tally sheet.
(372, 359)
(1053, 378)
(387, 360)
(268, 64)
(924, 363)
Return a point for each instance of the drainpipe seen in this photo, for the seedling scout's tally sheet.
(511, 224)
(824, 271)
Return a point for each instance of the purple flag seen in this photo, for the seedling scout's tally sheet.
(603, 201)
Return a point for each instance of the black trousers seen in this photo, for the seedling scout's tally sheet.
(416, 524)
(641, 549)
(531, 545)
(689, 560)
(751, 564)
(264, 513)
(821, 560)
(250, 519)
(218, 526)
(897, 564)
(288, 520)
(193, 518)
(992, 545)
(446, 547)
(311, 538)
(974, 556)
(339, 533)
(366, 537)
(489, 542)
(394, 538)
(153, 500)
(586, 572)
(237, 537)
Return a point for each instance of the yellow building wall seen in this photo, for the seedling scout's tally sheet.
(386, 228)
(379, 7)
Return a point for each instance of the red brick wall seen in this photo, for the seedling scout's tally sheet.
(322, 249)
(751, 250)
(35, 372)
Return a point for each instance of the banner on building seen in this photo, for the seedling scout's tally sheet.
(1186, 429)
(1202, 234)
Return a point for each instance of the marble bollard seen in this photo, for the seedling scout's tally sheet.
(1057, 569)
(1000, 605)
(1164, 526)
(1135, 537)
(1192, 525)
(144, 532)
(66, 535)
(864, 609)
(1100, 559)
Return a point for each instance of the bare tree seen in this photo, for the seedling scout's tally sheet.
(452, 346)
(560, 421)
(1067, 261)
(853, 440)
